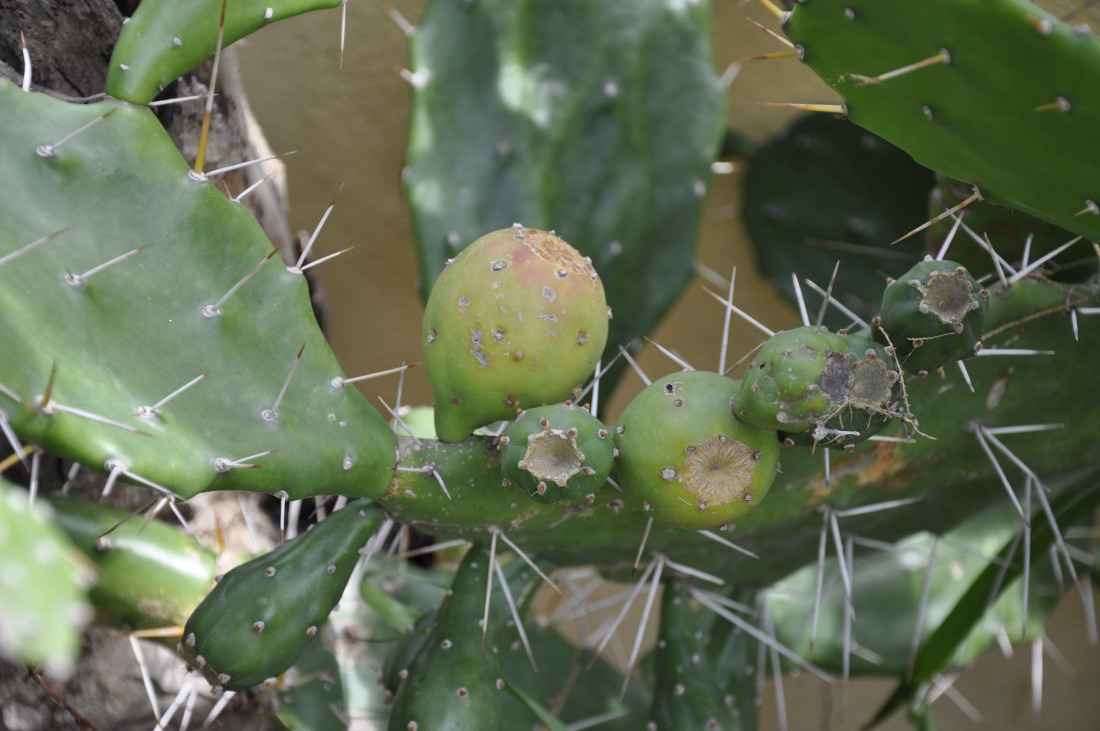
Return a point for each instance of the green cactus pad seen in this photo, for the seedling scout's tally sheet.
(1012, 110)
(686, 693)
(932, 315)
(821, 193)
(167, 38)
(262, 614)
(43, 606)
(557, 452)
(686, 459)
(121, 340)
(518, 319)
(599, 120)
(453, 681)
(148, 573)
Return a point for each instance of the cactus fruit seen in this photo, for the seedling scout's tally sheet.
(557, 452)
(829, 386)
(453, 681)
(262, 614)
(932, 315)
(686, 459)
(518, 319)
(165, 39)
(610, 144)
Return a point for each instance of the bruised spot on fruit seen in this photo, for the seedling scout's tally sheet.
(836, 378)
(719, 470)
(947, 295)
(553, 455)
(549, 293)
(517, 355)
(463, 302)
(496, 266)
(873, 381)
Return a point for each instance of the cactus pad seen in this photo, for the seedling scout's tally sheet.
(168, 366)
(518, 319)
(938, 77)
(167, 38)
(262, 614)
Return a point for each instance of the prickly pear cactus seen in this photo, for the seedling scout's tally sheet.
(262, 614)
(220, 380)
(557, 452)
(933, 315)
(610, 144)
(686, 458)
(518, 319)
(934, 78)
(166, 39)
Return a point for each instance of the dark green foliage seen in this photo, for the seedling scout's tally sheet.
(1012, 110)
(827, 191)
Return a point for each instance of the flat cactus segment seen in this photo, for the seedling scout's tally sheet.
(167, 38)
(598, 120)
(685, 457)
(150, 381)
(44, 606)
(967, 68)
(454, 681)
(148, 574)
(555, 452)
(262, 614)
(518, 319)
(686, 693)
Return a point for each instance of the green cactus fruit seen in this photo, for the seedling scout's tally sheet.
(557, 452)
(518, 319)
(932, 315)
(262, 614)
(43, 605)
(149, 574)
(686, 459)
(870, 404)
(686, 693)
(167, 38)
(453, 681)
(610, 144)
(797, 381)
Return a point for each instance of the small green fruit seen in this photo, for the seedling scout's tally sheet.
(797, 381)
(518, 319)
(557, 452)
(685, 458)
(933, 314)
